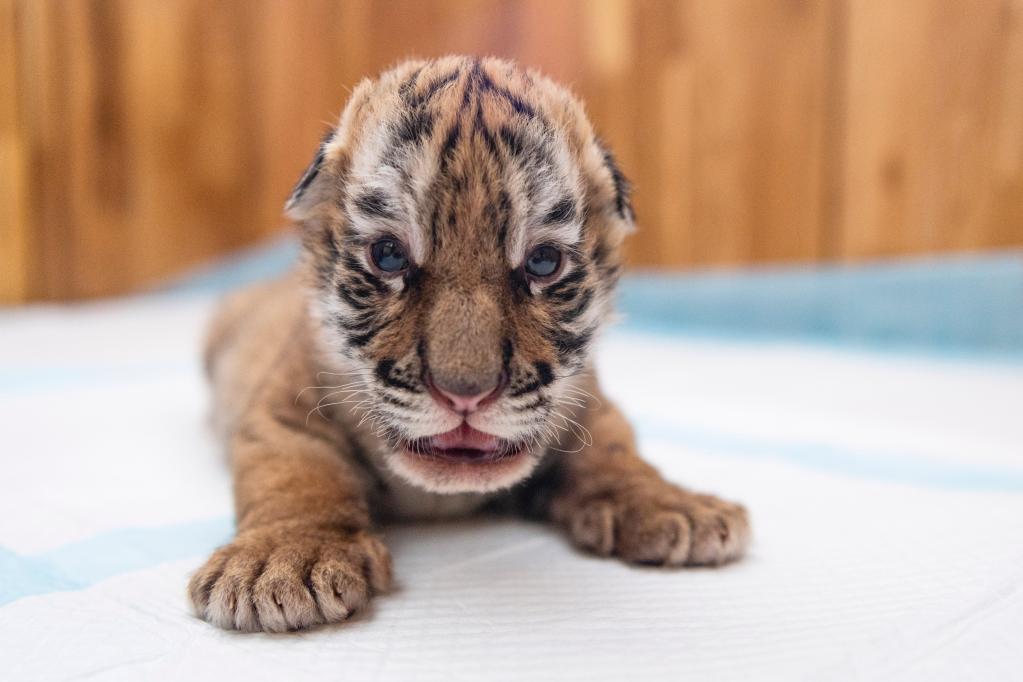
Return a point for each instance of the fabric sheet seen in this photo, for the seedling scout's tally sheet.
(885, 488)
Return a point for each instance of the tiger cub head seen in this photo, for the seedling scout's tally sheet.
(462, 227)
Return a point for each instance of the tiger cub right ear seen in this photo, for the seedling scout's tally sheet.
(305, 195)
(620, 186)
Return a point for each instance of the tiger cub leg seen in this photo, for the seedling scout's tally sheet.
(304, 552)
(612, 503)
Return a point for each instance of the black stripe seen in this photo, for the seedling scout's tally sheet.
(621, 185)
(449, 144)
(310, 172)
(372, 280)
(562, 212)
(434, 222)
(348, 296)
(421, 98)
(383, 372)
(355, 323)
(353, 266)
(504, 218)
(584, 303)
(512, 139)
(330, 243)
(536, 404)
(413, 282)
(568, 343)
(563, 296)
(467, 92)
(414, 126)
(544, 376)
(375, 205)
(407, 88)
(485, 84)
(544, 372)
(507, 350)
(452, 215)
(480, 127)
(361, 340)
(516, 102)
(477, 76)
(421, 352)
(571, 279)
(528, 387)
(391, 400)
(519, 284)
(325, 264)
(361, 291)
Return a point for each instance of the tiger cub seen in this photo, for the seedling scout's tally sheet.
(462, 230)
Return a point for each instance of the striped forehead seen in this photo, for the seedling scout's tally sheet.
(406, 161)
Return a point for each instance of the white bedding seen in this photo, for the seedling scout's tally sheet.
(886, 493)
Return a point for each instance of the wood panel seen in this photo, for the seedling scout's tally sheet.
(138, 137)
(13, 220)
(934, 127)
(728, 144)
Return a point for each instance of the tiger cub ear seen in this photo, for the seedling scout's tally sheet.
(621, 188)
(308, 191)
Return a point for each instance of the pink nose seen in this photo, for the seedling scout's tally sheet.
(461, 403)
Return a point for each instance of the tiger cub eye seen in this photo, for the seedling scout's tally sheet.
(543, 261)
(389, 255)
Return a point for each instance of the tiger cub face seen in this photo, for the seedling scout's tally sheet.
(462, 227)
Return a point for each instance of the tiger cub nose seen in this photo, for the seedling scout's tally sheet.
(464, 397)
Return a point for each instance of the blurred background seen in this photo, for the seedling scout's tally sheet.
(141, 137)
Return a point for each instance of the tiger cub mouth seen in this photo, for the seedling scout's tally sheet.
(465, 444)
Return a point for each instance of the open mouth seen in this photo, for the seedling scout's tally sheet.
(465, 444)
(464, 460)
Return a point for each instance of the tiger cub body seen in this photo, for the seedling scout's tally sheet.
(462, 229)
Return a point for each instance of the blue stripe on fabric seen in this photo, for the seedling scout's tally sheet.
(889, 467)
(81, 564)
(78, 565)
(50, 377)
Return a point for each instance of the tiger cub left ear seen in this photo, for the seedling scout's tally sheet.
(304, 195)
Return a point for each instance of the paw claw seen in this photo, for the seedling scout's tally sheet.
(288, 582)
(659, 524)
(593, 528)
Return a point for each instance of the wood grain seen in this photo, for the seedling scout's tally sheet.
(13, 166)
(140, 137)
(934, 127)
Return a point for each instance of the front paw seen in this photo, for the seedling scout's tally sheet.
(652, 522)
(277, 580)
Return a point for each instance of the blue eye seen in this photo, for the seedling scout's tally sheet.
(543, 261)
(389, 255)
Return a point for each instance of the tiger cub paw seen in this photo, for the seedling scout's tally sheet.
(651, 522)
(288, 580)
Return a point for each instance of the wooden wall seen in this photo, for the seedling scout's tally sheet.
(138, 137)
